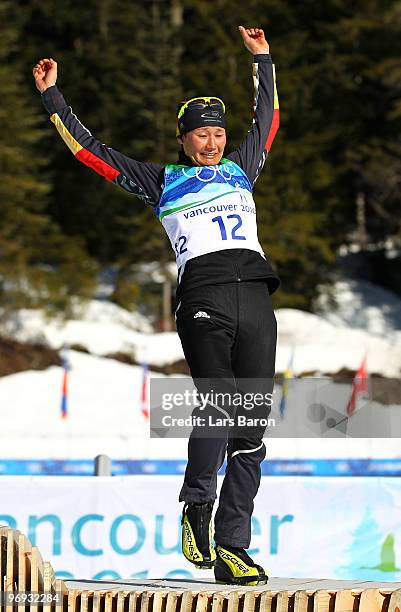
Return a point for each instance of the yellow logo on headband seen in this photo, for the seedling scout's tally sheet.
(200, 103)
(207, 101)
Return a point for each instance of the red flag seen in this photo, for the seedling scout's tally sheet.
(64, 388)
(359, 387)
(144, 391)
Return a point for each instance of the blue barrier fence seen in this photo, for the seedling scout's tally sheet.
(274, 467)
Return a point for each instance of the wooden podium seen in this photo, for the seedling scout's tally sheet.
(29, 582)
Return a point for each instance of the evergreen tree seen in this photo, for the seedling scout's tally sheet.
(370, 51)
(119, 71)
(37, 266)
(123, 66)
(288, 191)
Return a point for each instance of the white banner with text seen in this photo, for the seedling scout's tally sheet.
(129, 526)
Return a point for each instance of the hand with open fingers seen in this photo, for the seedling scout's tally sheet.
(254, 40)
(45, 73)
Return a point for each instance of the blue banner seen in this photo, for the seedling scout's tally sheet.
(174, 467)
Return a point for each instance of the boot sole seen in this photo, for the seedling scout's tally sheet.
(235, 583)
(206, 566)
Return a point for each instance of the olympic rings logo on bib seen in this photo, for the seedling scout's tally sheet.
(206, 174)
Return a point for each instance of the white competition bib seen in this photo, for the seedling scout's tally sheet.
(208, 208)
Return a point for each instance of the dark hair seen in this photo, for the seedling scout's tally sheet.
(179, 106)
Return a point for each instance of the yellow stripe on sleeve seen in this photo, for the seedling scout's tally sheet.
(275, 88)
(69, 140)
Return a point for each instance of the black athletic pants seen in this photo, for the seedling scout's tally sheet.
(228, 332)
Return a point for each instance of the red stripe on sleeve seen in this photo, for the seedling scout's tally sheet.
(97, 164)
(273, 129)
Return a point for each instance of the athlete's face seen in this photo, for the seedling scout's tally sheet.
(204, 145)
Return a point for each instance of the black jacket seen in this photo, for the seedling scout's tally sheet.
(145, 180)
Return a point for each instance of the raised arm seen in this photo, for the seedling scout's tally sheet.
(141, 179)
(253, 151)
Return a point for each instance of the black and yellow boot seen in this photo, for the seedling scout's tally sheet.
(197, 545)
(235, 566)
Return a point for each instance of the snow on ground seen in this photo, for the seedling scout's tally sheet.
(362, 305)
(367, 320)
(104, 328)
(321, 346)
(104, 395)
(104, 417)
(104, 413)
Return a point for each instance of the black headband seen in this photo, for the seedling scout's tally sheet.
(198, 117)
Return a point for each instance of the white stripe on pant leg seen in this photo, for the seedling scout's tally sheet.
(219, 409)
(251, 450)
